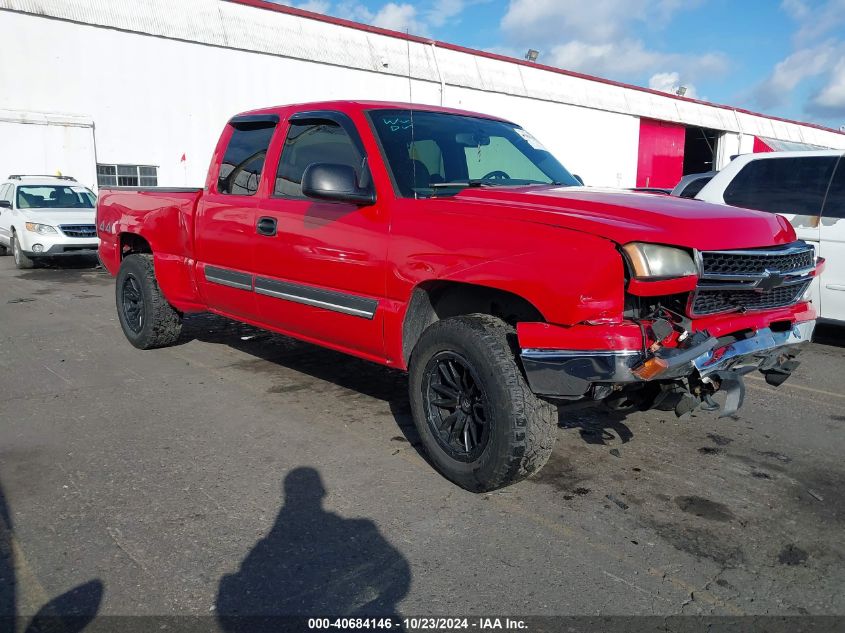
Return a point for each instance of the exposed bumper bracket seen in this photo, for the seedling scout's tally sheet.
(570, 373)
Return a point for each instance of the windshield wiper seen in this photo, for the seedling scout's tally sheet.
(462, 183)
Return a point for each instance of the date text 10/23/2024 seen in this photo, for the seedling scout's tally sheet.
(418, 624)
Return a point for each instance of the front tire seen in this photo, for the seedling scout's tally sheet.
(481, 425)
(146, 318)
(22, 262)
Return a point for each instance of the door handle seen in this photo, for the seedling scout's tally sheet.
(266, 226)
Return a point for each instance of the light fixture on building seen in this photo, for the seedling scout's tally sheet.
(681, 91)
(532, 55)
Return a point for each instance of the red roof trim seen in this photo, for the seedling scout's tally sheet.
(319, 17)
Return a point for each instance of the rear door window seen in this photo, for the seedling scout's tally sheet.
(782, 185)
(834, 204)
(240, 171)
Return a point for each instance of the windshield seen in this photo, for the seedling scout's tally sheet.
(445, 153)
(54, 197)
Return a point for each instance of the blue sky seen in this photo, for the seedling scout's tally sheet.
(781, 57)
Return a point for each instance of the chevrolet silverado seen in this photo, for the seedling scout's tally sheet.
(453, 245)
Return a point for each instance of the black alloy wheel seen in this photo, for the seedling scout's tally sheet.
(132, 304)
(145, 316)
(456, 406)
(479, 422)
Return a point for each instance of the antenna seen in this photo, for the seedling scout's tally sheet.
(411, 110)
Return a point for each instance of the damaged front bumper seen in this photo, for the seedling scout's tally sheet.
(711, 364)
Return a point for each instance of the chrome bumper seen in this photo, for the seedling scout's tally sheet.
(570, 373)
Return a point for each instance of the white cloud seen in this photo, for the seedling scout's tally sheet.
(596, 21)
(796, 9)
(817, 61)
(444, 10)
(629, 58)
(830, 100)
(670, 82)
(822, 21)
(803, 64)
(625, 57)
(595, 37)
(398, 17)
(353, 11)
(317, 6)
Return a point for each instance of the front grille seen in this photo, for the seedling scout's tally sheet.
(753, 279)
(79, 230)
(715, 301)
(751, 263)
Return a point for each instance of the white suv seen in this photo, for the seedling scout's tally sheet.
(46, 216)
(808, 189)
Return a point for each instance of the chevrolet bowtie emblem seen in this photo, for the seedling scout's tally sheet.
(771, 279)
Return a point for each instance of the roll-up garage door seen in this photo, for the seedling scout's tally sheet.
(661, 154)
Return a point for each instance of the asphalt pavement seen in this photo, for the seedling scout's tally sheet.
(244, 472)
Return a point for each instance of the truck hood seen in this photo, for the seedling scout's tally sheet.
(624, 216)
(55, 217)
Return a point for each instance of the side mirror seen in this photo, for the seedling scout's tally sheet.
(5, 204)
(578, 178)
(339, 183)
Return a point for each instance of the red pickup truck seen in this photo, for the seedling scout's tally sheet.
(453, 245)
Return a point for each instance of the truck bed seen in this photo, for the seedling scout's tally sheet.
(163, 217)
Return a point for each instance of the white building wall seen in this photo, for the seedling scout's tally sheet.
(727, 146)
(48, 145)
(160, 78)
(156, 99)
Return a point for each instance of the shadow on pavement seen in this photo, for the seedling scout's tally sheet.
(595, 424)
(348, 372)
(70, 612)
(313, 563)
(69, 262)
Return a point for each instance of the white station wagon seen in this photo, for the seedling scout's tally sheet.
(46, 216)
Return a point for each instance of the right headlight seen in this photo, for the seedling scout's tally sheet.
(655, 261)
(41, 229)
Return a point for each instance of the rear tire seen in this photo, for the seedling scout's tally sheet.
(463, 374)
(146, 318)
(22, 262)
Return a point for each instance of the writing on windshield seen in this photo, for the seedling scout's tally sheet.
(438, 153)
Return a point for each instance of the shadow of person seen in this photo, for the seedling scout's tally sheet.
(70, 612)
(313, 563)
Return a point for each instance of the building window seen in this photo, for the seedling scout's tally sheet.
(106, 176)
(127, 176)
